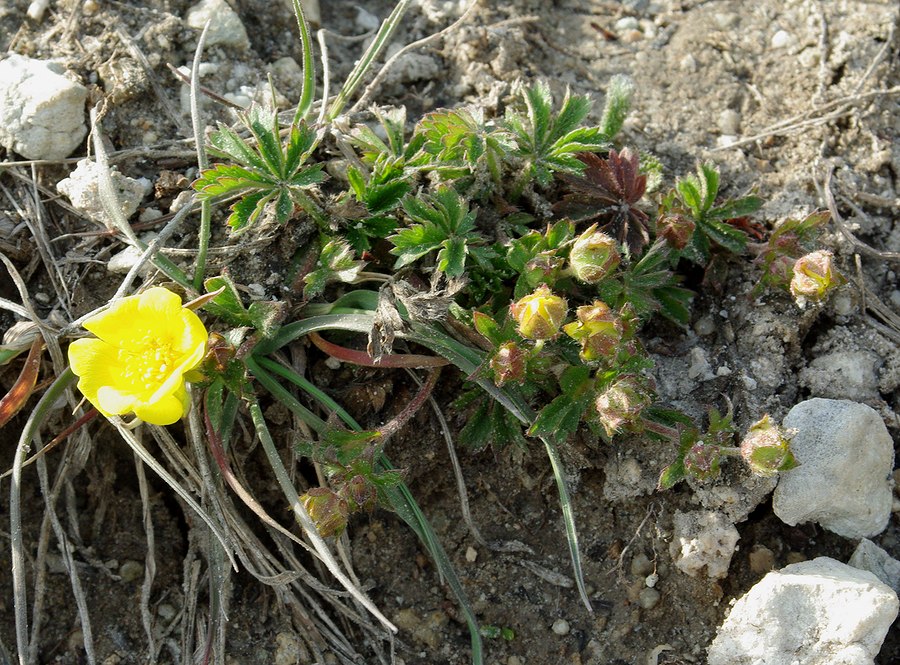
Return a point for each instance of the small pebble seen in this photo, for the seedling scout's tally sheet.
(131, 571)
(626, 23)
(165, 612)
(794, 557)
(649, 598)
(729, 122)
(471, 554)
(652, 580)
(641, 566)
(762, 559)
(705, 326)
(514, 660)
(782, 39)
(688, 63)
(561, 627)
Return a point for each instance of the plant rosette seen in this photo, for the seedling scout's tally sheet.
(144, 346)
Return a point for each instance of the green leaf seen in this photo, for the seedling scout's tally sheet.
(225, 142)
(736, 208)
(452, 257)
(615, 109)
(689, 189)
(222, 179)
(565, 412)
(311, 175)
(575, 108)
(672, 475)
(674, 303)
(709, 185)
(248, 209)
(539, 103)
(284, 206)
(227, 305)
(263, 124)
(265, 316)
(729, 237)
(300, 141)
(415, 242)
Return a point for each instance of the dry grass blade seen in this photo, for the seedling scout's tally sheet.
(863, 248)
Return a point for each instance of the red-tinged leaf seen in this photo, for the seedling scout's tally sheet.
(21, 390)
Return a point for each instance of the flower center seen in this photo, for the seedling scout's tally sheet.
(147, 369)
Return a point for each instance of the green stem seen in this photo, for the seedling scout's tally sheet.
(385, 33)
(318, 425)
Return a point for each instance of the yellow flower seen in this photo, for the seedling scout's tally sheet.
(146, 345)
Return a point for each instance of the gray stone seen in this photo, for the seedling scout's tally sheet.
(819, 612)
(41, 111)
(868, 556)
(225, 26)
(843, 481)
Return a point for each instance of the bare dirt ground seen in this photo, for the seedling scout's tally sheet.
(788, 97)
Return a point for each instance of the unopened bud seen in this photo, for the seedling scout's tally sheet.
(620, 405)
(542, 268)
(594, 256)
(359, 493)
(675, 229)
(508, 364)
(814, 276)
(538, 316)
(766, 448)
(598, 329)
(702, 460)
(328, 510)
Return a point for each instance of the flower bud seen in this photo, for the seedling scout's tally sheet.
(766, 448)
(675, 229)
(702, 460)
(594, 255)
(538, 316)
(620, 405)
(328, 510)
(359, 493)
(542, 268)
(508, 364)
(814, 276)
(598, 329)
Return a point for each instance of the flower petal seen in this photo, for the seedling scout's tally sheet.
(165, 410)
(132, 320)
(111, 401)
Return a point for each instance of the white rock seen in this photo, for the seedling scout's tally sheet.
(729, 122)
(843, 374)
(41, 111)
(225, 27)
(82, 189)
(868, 556)
(819, 612)
(843, 482)
(700, 367)
(782, 39)
(703, 540)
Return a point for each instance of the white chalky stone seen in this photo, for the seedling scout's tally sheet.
(819, 612)
(843, 482)
(41, 111)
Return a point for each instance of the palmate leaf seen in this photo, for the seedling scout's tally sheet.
(444, 222)
(563, 415)
(226, 143)
(547, 144)
(223, 179)
(248, 209)
(263, 124)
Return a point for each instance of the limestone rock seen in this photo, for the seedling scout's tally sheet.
(819, 612)
(82, 189)
(843, 482)
(225, 26)
(704, 541)
(41, 111)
